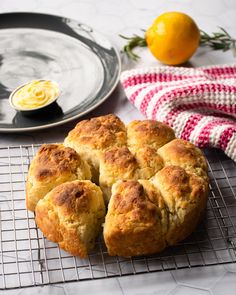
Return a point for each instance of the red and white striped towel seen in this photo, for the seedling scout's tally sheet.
(199, 104)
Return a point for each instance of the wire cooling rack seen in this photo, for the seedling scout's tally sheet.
(27, 258)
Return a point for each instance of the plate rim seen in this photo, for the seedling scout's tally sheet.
(46, 126)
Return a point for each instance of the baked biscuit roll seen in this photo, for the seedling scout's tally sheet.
(119, 163)
(71, 215)
(52, 165)
(148, 133)
(115, 164)
(184, 154)
(91, 137)
(136, 221)
(185, 196)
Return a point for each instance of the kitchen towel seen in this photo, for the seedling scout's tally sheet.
(198, 103)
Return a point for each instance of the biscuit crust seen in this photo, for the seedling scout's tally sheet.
(134, 220)
(184, 154)
(93, 136)
(52, 165)
(116, 163)
(185, 195)
(71, 215)
(148, 133)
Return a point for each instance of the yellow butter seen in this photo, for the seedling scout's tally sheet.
(35, 94)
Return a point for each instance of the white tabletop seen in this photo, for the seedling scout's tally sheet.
(114, 17)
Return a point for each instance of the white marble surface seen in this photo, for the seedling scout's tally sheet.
(113, 17)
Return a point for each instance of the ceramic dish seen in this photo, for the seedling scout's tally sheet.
(39, 46)
(35, 109)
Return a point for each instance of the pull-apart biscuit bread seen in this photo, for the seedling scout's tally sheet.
(155, 187)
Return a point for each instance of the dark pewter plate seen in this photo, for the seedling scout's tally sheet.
(40, 46)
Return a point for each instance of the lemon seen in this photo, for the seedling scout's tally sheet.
(173, 38)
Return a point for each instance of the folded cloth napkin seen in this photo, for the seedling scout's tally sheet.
(199, 104)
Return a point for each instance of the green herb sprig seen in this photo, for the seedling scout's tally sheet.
(218, 41)
(133, 42)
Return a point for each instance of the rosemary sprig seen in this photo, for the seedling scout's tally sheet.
(217, 41)
(134, 41)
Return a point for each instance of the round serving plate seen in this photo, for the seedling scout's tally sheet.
(38, 46)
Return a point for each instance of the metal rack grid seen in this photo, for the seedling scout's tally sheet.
(27, 258)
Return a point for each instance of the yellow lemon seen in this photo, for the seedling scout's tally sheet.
(173, 38)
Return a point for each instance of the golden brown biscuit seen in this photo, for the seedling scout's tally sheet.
(136, 221)
(182, 153)
(53, 165)
(146, 216)
(71, 215)
(119, 163)
(90, 137)
(116, 163)
(149, 133)
(185, 196)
